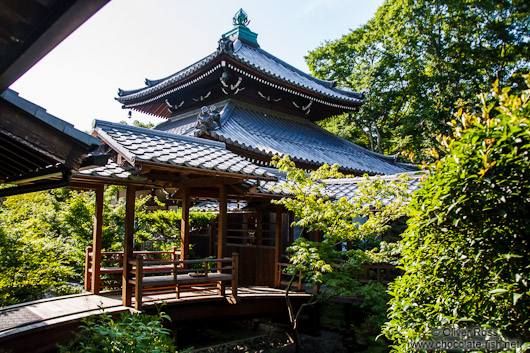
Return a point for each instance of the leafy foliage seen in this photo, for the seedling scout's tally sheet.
(131, 333)
(31, 266)
(43, 237)
(417, 58)
(339, 220)
(465, 252)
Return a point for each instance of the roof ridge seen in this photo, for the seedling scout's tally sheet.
(99, 123)
(326, 83)
(122, 94)
(41, 114)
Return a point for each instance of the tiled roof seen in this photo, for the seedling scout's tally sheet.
(155, 85)
(39, 113)
(349, 187)
(337, 188)
(269, 133)
(139, 144)
(210, 206)
(110, 170)
(255, 58)
(270, 65)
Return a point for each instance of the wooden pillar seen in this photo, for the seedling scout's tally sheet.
(96, 241)
(259, 228)
(211, 238)
(291, 228)
(258, 258)
(277, 244)
(128, 245)
(88, 268)
(317, 236)
(185, 225)
(221, 238)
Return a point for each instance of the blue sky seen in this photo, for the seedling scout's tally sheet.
(129, 40)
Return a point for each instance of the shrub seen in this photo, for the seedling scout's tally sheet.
(131, 333)
(465, 252)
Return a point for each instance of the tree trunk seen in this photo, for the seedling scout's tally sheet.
(293, 318)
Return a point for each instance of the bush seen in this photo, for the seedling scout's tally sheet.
(131, 333)
(465, 252)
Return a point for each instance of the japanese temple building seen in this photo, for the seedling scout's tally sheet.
(227, 115)
(258, 106)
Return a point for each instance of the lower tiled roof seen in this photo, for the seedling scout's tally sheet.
(139, 144)
(349, 187)
(270, 133)
(110, 170)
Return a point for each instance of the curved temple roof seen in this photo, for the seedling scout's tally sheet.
(137, 144)
(268, 133)
(250, 55)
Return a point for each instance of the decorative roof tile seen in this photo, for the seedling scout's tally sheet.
(139, 144)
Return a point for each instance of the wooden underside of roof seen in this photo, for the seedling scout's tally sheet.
(254, 88)
(202, 184)
(29, 145)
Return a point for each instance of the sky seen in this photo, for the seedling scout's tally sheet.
(130, 40)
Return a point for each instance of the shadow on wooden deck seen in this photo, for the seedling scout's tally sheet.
(38, 326)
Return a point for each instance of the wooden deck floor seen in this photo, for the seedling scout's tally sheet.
(48, 316)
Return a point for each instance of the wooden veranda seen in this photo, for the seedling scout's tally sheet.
(38, 326)
(180, 183)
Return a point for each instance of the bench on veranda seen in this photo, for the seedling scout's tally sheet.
(182, 276)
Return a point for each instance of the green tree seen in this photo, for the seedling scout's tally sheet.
(338, 220)
(418, 61)
(31, 266)
(465, 252)
(43, 237)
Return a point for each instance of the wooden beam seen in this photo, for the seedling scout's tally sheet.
(185, 182)
(278, 243)
(198, 171)
(128, 245)
(291, 228)
(185, 226)
(172, 178)
(96, 240)
(221, 238)
(38, 137)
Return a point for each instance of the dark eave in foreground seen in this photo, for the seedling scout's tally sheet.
(32, 28)
(37, 143)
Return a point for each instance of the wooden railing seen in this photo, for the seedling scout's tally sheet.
(377, 273)
(111, 266)
(182, 276)
(283, 279)
(374, 273)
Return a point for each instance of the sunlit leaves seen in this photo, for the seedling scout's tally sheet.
(465, 252)
(418, 62)
(339, 219)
